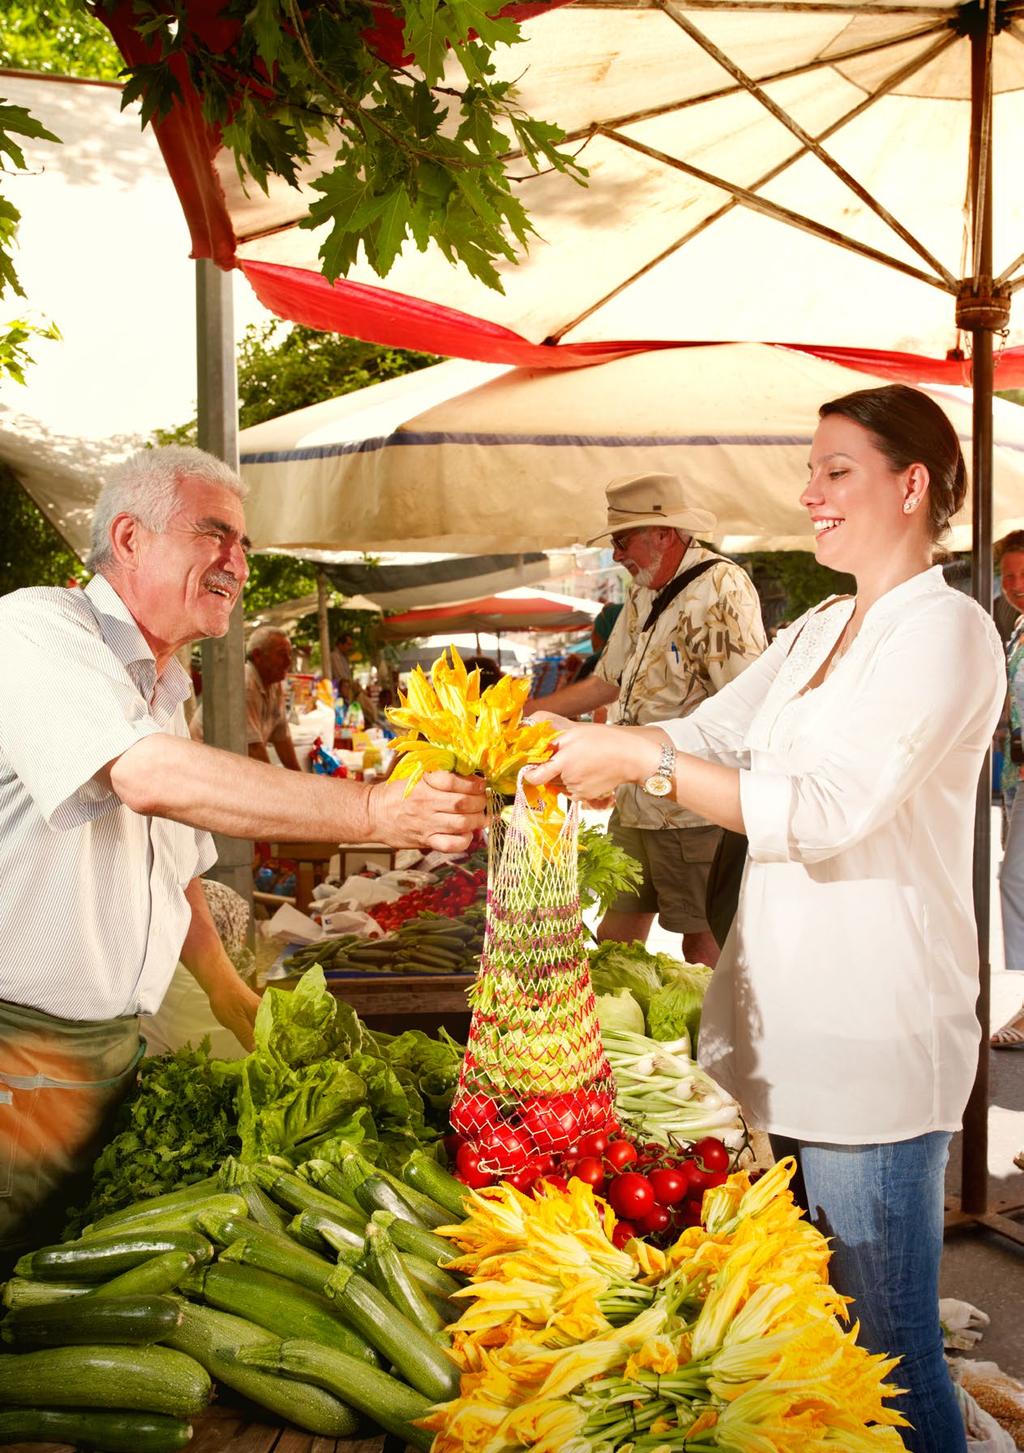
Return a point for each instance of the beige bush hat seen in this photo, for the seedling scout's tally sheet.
(652, 499)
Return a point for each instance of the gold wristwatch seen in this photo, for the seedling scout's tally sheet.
(660, 783)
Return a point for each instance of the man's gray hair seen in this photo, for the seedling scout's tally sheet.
(264, 636)
(146, 487)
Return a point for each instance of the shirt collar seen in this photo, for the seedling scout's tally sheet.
(120, 631)
(926, 582)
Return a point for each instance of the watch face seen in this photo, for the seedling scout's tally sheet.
(658, 785)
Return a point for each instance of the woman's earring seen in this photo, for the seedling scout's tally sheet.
(908, 505)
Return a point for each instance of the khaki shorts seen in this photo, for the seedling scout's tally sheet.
(676, 863)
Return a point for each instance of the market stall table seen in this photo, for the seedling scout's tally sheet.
(396, 1002)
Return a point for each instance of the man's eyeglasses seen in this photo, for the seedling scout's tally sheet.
(621, 538)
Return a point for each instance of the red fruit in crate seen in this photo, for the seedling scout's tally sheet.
(711, 1153)
(503, 1149)
(470, 1114)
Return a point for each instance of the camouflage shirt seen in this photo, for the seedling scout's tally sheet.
(704, 638)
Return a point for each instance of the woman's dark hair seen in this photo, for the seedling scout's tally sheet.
(909, 428)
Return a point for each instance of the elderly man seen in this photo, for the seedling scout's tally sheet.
(691, 623)
(268, 661)
(105, 811)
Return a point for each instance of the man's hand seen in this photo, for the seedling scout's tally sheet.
(441, 812)
(591, 761)
(234, 1005)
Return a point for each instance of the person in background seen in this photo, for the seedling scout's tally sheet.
(1009, 606)
(341, 666)
(691, 624)
(268, 661)
(841, 1014)
(600, 632)
(106, 810)
(490, 672)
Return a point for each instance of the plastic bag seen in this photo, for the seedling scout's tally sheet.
(993, 1404)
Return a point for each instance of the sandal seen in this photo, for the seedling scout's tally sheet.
(1009, 1037)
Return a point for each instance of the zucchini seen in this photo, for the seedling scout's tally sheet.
(375, 1194)
(97, 1258)
(128, 1321)
(431, 1278)
(414, 1353)
(387, 1401)
(425, 1175)
(214, 1338)
(410, 1238)
(348, 1244)
(236, 1176)
(20, 1291)
(278, 1305)
(181, 1217)
(147, 1379)
(276, 1252)
(427, 1209)
(299, 1229)
(159, 1274)
(340, 1181)
(298, 1195)
(115, 1432)
(394, 1279)
(155, 1205)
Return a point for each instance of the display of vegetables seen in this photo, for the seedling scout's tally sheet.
(430, 943)
(668, 992)
(666, 1094)
(449, 898)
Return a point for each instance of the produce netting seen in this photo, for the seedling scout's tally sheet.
(534, 1077)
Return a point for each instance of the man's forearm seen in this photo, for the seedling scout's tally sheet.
(574, 700)
(166, 776)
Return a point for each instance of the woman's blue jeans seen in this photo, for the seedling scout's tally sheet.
(882, 1207)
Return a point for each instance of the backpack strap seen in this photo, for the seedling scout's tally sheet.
(667, 594)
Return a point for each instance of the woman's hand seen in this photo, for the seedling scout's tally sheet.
(591, 761)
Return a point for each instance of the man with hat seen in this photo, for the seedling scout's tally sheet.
(691, 622)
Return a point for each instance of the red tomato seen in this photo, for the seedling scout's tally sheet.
(656, 1220)
(452, 1144)
(620, 1153)
(631, 1196)
(692, 1208)
(467, 1167)
(522, 1180)
(716, 1178)
(551, 1121)
(711, 1153)
(624, 1231)
(472, 1113)
(594, 1144)
(589, 1170)
(503, 1150)
(669, 1185)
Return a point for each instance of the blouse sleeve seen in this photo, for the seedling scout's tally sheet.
(717, 730)
(934, 688)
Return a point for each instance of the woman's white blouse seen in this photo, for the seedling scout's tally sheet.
(843, 1006)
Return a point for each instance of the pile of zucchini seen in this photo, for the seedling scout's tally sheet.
(321, 1295)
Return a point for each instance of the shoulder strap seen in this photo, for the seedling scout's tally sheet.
(667, 594)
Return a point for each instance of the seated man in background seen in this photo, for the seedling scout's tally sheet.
(268, 661)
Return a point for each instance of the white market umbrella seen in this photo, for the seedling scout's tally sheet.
(519, 459)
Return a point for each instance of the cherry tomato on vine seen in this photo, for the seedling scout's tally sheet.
(710, 1153)
(589, 1170)
(620, 1153)
(669, 1185)
(624, 1231)
(631, 1196)
(593, 1144)
(654, 1222)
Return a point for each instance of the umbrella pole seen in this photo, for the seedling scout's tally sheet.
(322, 596)
(982, 309)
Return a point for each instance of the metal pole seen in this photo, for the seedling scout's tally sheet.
(325, 632)
(223, 658)
(974, 1170)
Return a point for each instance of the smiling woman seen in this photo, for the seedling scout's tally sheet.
(841, 1012)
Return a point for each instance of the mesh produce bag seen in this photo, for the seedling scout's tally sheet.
(534, 1078)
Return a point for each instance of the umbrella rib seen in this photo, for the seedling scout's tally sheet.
(808, 141)
(791, 72)
(897, 77)
(779, 213)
